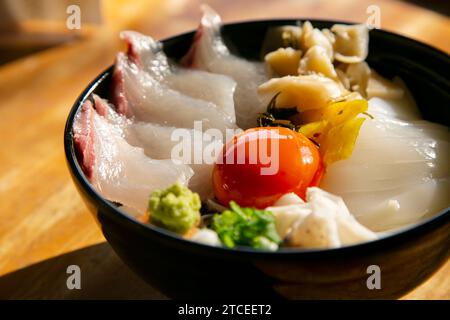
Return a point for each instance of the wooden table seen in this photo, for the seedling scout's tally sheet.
(44, 226)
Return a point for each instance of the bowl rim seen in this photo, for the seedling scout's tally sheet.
(387, 240)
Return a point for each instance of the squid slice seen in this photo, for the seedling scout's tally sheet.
(403, 109)
(398, 171)
(378, 86)
(120, 172)
(208, 52)
(401, 207)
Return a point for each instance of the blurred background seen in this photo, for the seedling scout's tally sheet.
(28, 26)
(49, 51)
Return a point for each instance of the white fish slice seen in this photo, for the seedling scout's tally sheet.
(207, 86)
(208, 52)
(137, 94)
(163, 142)
(147, 54)
(120, 172)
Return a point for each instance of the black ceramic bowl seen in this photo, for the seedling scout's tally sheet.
(183, 269)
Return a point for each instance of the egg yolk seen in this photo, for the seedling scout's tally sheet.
(258, 166)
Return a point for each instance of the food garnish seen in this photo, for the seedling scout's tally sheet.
(276, 117)
(176, 208)
(334, 128)
(246, 227)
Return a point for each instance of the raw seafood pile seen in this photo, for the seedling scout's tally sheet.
(146, 89)
(332, 151)
(394, 169)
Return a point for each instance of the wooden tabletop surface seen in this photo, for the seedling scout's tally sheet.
(44, 226)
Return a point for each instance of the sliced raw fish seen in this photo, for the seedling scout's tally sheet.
(148, 56)
(162, 142)
(188, 146)
(137, 94)
(216, 88)
(208, 52)
(120, 172)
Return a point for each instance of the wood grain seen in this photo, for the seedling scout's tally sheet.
(41, 214)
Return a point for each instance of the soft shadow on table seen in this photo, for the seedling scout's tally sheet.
(103, 276)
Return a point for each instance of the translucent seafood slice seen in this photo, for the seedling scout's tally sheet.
(389, 157)
(387, 176)
(404, 109)
(394, 128)
(386, 211)
(208, 52)
(188, 146)
(137, 94)
(148, 55)
(207, 86)
(397, 174)
(120, 172)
